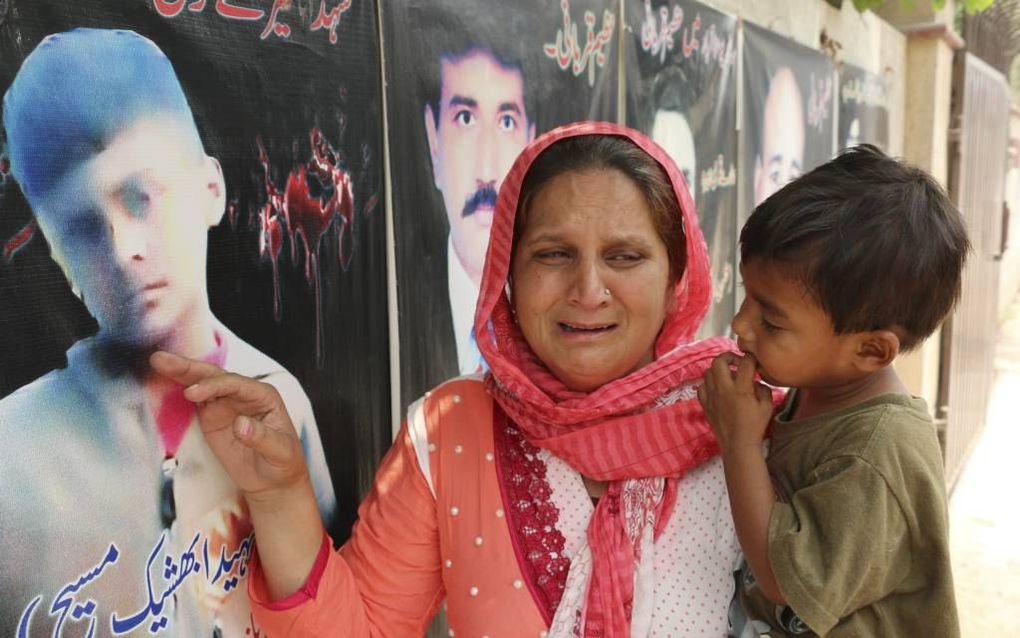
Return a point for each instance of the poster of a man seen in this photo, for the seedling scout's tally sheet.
(681, 70)
(671, 130)
(470, 85)
(475, 129)
(788, 113)
(780, 156)
(115, 517)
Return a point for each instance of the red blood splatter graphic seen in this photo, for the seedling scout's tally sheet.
(19, 241)
(23, 236)
(232, 214)
(270, 233)
(318, 196)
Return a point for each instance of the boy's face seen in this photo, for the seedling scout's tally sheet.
(130, 229)
(788, 332)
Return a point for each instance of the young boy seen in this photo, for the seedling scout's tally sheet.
(844, 525)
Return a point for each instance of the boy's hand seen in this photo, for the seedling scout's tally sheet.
(738, 408)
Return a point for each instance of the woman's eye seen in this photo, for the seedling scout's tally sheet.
(625, 258)
(552, 255)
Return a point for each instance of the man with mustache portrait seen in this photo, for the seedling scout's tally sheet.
(476, 121)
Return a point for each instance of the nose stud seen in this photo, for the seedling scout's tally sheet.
(607, 292)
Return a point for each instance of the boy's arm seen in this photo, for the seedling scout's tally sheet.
(751, 501)
(739, 410)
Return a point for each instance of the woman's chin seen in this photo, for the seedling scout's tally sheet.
(579, 385)
(587, 367)
(586, 378)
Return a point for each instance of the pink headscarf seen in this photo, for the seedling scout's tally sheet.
(633, 427)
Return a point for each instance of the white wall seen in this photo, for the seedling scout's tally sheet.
(1009, 275)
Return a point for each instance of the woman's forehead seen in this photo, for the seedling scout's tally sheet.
(592, 206)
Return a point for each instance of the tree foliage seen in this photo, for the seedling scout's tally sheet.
(970, 6)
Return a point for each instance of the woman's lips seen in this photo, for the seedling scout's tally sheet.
(585, 331)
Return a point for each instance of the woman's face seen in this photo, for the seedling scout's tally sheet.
(590, 278)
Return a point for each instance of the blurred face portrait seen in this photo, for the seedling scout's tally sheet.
(671, 131)
(129, 228)
(480, 128)
(781, 152)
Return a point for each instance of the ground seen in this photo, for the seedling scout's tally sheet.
(984, 507)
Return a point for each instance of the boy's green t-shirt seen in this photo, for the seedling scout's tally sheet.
(859, 540)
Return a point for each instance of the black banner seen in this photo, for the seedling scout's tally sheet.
(682, 83)
(788, 119)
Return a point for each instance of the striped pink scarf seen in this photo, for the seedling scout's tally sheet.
(629, 428)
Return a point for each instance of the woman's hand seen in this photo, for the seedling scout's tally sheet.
(244, 422)
(249, 430)
(738, 408)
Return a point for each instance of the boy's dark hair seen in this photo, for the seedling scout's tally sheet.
(877, 242)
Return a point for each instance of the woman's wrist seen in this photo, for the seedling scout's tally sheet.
(269, 500)
(288, 530)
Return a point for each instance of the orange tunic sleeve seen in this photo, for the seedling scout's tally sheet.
(385, 581)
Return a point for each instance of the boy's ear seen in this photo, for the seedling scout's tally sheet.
(216, 189)
(876, 349)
